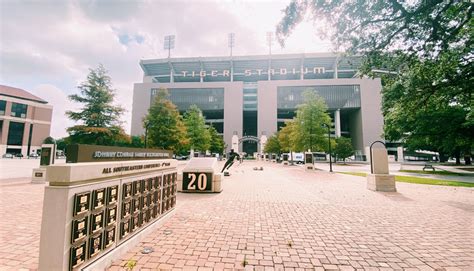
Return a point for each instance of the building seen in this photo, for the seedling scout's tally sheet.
(248, 98)
(25, 121)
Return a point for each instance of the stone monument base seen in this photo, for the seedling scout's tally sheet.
(381, 182)
(308, 167)
(39, 175)
(286, 163)
(205, 168)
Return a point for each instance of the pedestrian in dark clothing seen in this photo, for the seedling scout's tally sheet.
(230, 160)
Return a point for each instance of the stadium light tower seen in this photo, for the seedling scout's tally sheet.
(270, 41)
(169, 43)
(231, 42)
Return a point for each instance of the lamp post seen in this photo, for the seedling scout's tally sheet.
(146, 133)
(329, 144)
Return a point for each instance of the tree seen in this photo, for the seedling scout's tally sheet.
(421, 28)
(272, 145)
(308, 131)
(286, 136)
(99, 118)
(426, 49)
(61, 144)
(165, 126)
(196, 130)
(49, 140)
(343, 148)
(217, 144)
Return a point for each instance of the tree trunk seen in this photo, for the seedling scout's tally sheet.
(442, 157)
(457, 155)
(467, 159)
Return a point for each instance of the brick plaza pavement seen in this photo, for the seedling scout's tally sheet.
(286, 218)
(280, 218)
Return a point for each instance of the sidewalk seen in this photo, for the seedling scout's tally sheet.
(285, 218)
(281, 217)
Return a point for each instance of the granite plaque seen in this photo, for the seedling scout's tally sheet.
(157, 182)
(135, 205)
(98, 198)
(135, 222)
(127, 190)
(112, 194)
(125, 228)
(79, 229)
(111, 216)
(81, 203)
(126, 208)
(97, 222)
(155, 211)
(95, 244)
(109, 237)
(146, 215)
(77, 255)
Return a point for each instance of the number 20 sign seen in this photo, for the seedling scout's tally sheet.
(195, 181)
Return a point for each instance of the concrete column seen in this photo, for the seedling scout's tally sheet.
(26, 135)
(235, 143)
(337, 122)
(267, 111)
(263, 142)
(400, 154)
(171, 76)
(301, 69)
(6, 125)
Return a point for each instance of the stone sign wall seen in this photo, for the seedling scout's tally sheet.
(85, 219)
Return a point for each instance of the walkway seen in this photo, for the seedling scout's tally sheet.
(284, 217)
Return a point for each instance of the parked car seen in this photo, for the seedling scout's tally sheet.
(33, 155)
(7, 155)
(179, 157)
(19, 155)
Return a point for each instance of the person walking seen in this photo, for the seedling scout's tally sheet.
(230, 160)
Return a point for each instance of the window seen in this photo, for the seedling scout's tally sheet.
(3, 105)
(19, 110)
(15, 133)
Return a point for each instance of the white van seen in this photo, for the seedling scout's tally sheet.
(298, 157)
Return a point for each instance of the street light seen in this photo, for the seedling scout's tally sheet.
(329, 144)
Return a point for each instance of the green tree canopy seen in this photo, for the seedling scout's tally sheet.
(166, 129)
(49, 140)
(196, 129)
(309, 132)
(423, 48)
(286, 136)
(423, 28)
(217, 144)
(99, 118)
(343, 148)
(272, 145)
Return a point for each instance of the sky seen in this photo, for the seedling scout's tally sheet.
(48, 47)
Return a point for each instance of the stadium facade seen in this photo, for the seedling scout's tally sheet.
(248, 98)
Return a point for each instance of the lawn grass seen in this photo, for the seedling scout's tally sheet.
(442, 172)
(417, 180)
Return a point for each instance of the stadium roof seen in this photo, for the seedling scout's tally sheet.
(183, 68)
(20, 94)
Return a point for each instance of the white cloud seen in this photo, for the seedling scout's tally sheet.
(49, 46)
